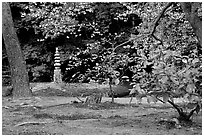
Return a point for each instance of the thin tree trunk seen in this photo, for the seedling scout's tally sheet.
(19, 75)
(111, 90)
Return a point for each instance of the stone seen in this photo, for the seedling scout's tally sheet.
(57, 72)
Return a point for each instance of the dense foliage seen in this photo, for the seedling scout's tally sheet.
(83, 26)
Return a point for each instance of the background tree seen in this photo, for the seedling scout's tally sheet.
(193, 13)
(19, 76)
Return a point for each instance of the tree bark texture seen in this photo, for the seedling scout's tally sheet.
(19, 75)
(191, 13)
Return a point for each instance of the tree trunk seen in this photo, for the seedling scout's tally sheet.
(191, 13)
(111, 90)
(19, 75)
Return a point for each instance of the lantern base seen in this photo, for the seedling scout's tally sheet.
(57, 76)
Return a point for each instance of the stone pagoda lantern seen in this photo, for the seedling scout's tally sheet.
(57, 70)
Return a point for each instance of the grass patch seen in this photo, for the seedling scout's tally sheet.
(100, 106)
(162, 106)
(75, 116)
(117, 120)
(33, 133)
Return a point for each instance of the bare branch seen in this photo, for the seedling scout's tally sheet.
(174, 105)
(180, 110)
(161, 42)
(122, 44)
(156, 23)
(131, 39)
(160, 100)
